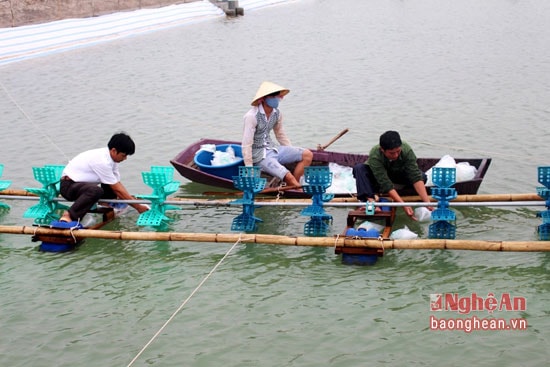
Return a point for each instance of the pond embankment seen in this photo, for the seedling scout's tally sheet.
(14, 13)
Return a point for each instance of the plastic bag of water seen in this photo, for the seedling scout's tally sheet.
(422, 214)
(403, 234)
(220, 158)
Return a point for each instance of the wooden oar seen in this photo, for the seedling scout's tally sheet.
(419, 244)
(323, 147)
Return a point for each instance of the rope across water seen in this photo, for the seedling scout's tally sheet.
(183, 304)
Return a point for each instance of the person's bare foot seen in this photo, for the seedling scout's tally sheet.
(65, 217)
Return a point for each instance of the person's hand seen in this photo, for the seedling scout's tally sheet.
(410, 212)
(142, 208)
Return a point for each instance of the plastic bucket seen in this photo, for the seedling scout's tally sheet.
(203, 160)
(385, 208)
(56, 247)
(355, 259)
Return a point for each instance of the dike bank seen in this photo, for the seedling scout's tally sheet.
(14, 13)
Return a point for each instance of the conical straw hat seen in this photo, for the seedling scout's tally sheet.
(267, 88)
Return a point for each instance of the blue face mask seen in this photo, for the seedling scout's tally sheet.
(272, 102)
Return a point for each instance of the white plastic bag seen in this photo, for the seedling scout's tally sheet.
(403, 234)
(231, 153)
(208, 147)
(465, 171)
(342, 180)
(422, 214)
(446, 162)
(220, 158)
(366, 225)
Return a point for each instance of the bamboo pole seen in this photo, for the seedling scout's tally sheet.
(300, 202)
(485, 197)
(269, 190)
(419, 244)
(471, 198)
(15, 192)
(460, 198)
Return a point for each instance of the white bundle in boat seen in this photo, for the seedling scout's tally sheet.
(208, 147)
(464, 170)
(220, 158)
(343, 181)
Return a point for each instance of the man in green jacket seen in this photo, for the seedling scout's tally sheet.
(390, 163)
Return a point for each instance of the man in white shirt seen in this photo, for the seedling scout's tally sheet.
(94, 175)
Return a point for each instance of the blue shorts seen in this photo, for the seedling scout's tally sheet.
(275, 159)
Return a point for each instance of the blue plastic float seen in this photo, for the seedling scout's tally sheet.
(443, 218)
(318, 179)
(250, 183)
(3, 185)
(544, 192)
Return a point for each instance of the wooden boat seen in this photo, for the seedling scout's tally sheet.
(185, 164)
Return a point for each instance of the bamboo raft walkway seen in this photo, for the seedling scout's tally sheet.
(417, 244)
(336, 241)
(518, 199)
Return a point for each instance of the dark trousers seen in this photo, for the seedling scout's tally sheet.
(84, 195)
(365, 182)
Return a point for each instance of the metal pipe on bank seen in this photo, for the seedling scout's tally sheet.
(230, 7)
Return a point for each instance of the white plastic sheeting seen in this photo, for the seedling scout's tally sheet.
(21, 43)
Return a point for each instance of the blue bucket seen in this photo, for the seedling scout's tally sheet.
(356, 259)
(385, 208)
(203, 160)
(360, 259)
(56, 247)
(363, 233)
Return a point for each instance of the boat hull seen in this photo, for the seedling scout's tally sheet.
(185, 165)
